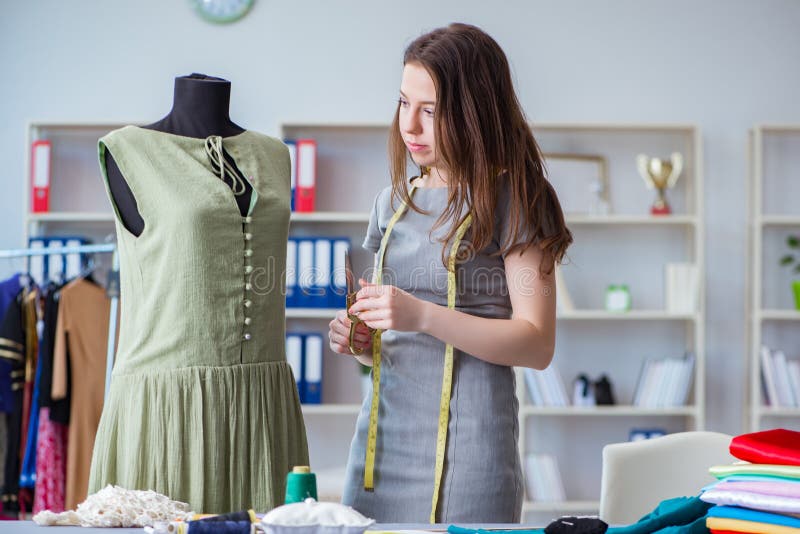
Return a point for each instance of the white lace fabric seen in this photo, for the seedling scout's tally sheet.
(114, 506)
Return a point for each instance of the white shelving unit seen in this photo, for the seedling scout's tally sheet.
(78, 202)
(353, 168)
(774, 152)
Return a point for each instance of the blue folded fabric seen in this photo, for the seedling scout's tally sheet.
(679, 515)
(747, 514)
(749, 478)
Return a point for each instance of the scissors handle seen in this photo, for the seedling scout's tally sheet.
(354, 320)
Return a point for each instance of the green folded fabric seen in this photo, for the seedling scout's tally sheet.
(786, 471)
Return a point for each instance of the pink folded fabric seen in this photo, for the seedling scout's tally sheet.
(776, 446)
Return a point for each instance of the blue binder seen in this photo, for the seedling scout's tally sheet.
(312, 368)
(291, 273)
(294, 356)
(323, 272)
(305, 273)
(338, 294)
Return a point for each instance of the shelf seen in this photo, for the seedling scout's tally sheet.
(561, 506)
(66, 216)
(609, 411)
(71, 126)
(576, 315)
(311, 313)
(633, 220)
(767, 411)
(633, 315)
(619, 220)
(780, 220)
(780, 315)
(331, 409)
(331, 217)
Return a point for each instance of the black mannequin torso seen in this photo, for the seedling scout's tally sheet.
(199, 109)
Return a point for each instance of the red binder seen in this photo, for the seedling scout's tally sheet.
(306, 174)
(40, 176)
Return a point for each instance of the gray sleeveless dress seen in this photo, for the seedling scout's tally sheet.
(482, 478)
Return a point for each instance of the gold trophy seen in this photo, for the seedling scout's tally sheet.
(661, 175)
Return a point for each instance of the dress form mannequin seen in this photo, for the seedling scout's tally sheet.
(199, 109)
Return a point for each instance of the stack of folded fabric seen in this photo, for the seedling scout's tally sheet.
(762, 494)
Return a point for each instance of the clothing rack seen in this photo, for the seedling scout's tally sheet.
(83, 249)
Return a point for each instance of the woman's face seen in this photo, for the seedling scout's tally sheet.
(417, 106)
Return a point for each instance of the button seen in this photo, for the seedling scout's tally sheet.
(248, 303)
(248, 286)
(247, 320)
(248, 269)
(248, 253)
(247, 336)
(247, 219)
(248, 236)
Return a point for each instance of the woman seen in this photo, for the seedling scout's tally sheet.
(464, 290)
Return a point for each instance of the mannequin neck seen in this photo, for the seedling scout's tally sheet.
(199, 108)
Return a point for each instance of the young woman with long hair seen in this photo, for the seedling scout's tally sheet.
(464, 290)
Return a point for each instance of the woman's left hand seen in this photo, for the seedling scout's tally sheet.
(387, 308)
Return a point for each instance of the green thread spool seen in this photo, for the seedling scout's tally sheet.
(301, 484)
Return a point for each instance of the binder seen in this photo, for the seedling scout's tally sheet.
(36, 264)
(305, 273)
(294, 356)
(74, 262)
(312, 369)
(40, 176)
(291, 273)
(292, 146)
(56, 264)
(338, 297)
(306, 174)
(323, 265)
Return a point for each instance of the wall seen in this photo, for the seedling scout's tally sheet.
(719, 64)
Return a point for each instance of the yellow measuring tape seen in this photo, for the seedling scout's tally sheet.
(447, 375)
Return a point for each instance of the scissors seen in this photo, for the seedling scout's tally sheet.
(350, 280)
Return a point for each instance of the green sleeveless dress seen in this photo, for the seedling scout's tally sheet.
(203, 407)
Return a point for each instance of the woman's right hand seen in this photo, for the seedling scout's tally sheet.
(339, 335)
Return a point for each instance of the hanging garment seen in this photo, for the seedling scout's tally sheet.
(51, 465)
(203, 407)
(15, 338)
(59, 408)
(9, 289)
(51, 450)
(81, 338)
(482, 478)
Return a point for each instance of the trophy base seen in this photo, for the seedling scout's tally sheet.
(663, 209)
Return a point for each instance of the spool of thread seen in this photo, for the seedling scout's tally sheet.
(301, 484)
(244, 515)
(219, 527)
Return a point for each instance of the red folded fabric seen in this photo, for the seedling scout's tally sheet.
(776, 446)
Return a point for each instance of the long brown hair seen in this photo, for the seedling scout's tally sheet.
(485, 143)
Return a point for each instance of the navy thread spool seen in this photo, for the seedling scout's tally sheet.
(301, 484)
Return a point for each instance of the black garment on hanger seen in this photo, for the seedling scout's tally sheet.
(59, 409)
(12, 339)
(200, 109)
